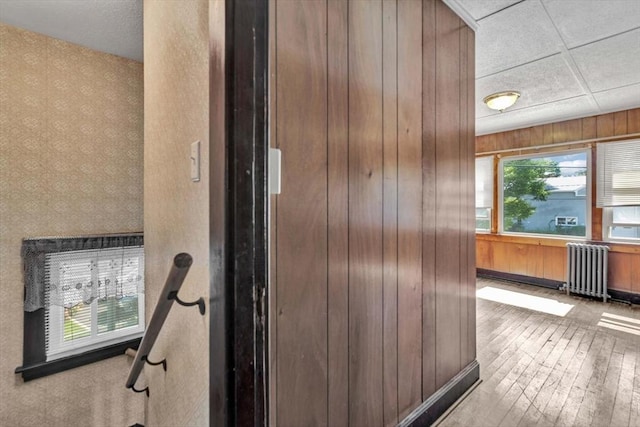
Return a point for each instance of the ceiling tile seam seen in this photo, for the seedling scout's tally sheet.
(513, 110)
(499, 10)
(604, 38)
(616, 88)
(520, 65)
(570, 62)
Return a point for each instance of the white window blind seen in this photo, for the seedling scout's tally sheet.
(93, 298)
(618, 177)
(484, 182)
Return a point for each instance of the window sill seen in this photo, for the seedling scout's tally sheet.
(43, 369)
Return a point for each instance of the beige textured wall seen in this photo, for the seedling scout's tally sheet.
(177, 210)
(71, 146)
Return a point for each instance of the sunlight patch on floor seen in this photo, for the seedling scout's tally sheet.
(541, 304)
(620, 323)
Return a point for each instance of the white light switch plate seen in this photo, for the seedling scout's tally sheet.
(195, 161)
(275, 170)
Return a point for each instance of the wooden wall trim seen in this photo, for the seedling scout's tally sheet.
(628, 248)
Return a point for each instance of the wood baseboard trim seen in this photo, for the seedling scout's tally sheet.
(624, 296)
(545, 283)
(628, 297)
(438, 403)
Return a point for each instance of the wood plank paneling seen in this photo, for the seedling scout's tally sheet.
(535, 261)
(486, 143)
(620, 123)
(589, 128)
(409, 205)
(570, 130)
(518, 259)
(633, 120)
(471, 191)
(375, 226)
(365, 213)
(605, 125)
(302, 214)
(620, 270)
(429, 222)
(634, 266)
(555, 263)
(390, 232)
(500, 256)
(338, 211)
(484, 254)
(447, 197)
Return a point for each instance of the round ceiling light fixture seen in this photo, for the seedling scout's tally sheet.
(502, 100)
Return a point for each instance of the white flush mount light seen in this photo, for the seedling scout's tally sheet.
(502, 100)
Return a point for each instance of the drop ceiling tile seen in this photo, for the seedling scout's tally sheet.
(481, 8)
(581, 22)
(515, 36)
(539, 82)
(610, 63)
(622, 98)
(553, 112)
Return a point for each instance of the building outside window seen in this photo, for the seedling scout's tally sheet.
(546, 194)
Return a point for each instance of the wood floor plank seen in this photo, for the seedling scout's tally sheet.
(622, 406)
(606, 396)
(548, 415)
(569, 343)
(634, 416)
(588, 406)
(509, 390)
(499, 383)
(544, 370)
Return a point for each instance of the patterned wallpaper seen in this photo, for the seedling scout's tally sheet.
(176, 80)
(71, 163)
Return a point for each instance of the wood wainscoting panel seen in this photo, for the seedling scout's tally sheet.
(470, 356)
(390, 211)
(302, 214)
(365, 213)
(374, 237)
(447, 196)
(619, 272)
(633, 121)
(338, 213)
(409, 52)
(429, 188)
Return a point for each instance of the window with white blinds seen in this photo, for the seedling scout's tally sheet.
(618, 174)
(484, 192)
(93, 298)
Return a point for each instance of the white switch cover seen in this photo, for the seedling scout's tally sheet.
(275, 170)
(195, 161)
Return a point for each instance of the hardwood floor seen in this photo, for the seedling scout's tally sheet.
(540, 369)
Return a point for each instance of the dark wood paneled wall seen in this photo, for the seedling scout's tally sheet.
(373, 249)
(545, 258)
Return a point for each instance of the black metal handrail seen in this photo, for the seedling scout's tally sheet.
(179, 269)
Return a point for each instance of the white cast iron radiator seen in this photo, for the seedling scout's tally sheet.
(587, 270)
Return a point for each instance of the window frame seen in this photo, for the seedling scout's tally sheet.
(93, 342)
(542, 154)
(490, 159)
(34, 359)
(608, 223)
